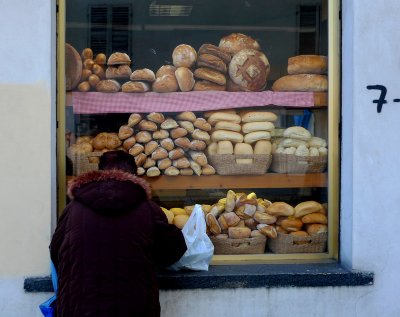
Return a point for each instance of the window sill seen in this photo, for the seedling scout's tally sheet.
(246, 276)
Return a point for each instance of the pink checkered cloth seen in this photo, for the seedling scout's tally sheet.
(96, 102)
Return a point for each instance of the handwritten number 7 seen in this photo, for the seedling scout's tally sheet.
(381, 101)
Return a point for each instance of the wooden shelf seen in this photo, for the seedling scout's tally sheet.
(271, 180)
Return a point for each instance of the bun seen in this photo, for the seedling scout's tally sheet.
(291, 225)
(307, 207)
(101, 59)
(315, 217)
(307, 64)
(200, 135)
(166, 70)
(164, 163)
(135, 86)
(256, 136)
(186, 171)
(214, 50)
(182, 142)
(121, 71)
(154, 172)
(280, 209)
(205, 85)
(159, 154)
(171, 171)
(144, 74)
(202, 124)
(118, 58)
(257, 126)
(140, 159)
(167, 144)
(165, 83)
(225, 147)
(88, 63)
(143, 136)
(99, 71)
(186, 116)
(315, 228)
(222, 135)
(187, 125)
(199, 157)
(108, 85)
(239, 232)
(197, 145)
(129, 142)
(156, 117)
(84, 86)
(236, 42)
(298, 133)
(207, 170)
(149, 163)
(243, 148)
(223, 116)
(185, 78)
(181, 162)
(211, 61)
(146, 125)
(150, 147)
(249, 69)
(301, 82)
(184, 56)
(134, 119)
(93, 80)
(125, 132)
(178, 133)
(176, 153)
(210, 75)
(257, 116)
(87, 53)
(169, 123)
(227, 125)
(136, 149)
(263, 147)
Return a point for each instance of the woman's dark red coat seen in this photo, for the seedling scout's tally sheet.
(107, 246)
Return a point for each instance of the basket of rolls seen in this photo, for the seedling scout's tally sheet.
(302, 229)
(86, 151)
(240, 142)
(298, 152)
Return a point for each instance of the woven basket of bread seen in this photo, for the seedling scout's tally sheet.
(226, 164)
(254, 245)
(85, 162)
(287, 243)
(294, 164)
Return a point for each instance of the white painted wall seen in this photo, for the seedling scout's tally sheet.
(370, 160)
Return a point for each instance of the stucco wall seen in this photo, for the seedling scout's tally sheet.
(370, 160)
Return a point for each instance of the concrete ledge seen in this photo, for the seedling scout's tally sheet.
(246, 276)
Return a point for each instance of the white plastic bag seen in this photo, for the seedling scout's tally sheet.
(199, 246)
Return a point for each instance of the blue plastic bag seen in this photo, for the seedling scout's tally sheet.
(48, 307)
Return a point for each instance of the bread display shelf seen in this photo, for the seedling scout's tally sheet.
(269, 180)
(95, 102)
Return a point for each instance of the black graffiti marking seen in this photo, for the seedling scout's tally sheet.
(396, 100)
(381, 101)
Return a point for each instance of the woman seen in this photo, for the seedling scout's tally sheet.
(109, 242)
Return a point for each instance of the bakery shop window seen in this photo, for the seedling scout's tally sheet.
(222, 104)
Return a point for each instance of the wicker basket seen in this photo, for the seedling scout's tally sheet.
(293, 164)
(254, 245)
(225, 164)
(81, 163)
(287, 243)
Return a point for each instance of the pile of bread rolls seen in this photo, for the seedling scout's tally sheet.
(305, 73)
(93, 70)
(298, 141)
(167, 145)
(247, 132)
(241, 215)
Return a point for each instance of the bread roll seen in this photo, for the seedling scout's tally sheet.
(182, 162)
(297, 132)
(159, 154)
(176, 153)
(150, 147)
(214, 50)
(257, 126)
(185, 78)
(144, 74)
(119, 58)
(129, 142)
(280, 209)
(224, 147)
(315, 217)
(187, 125)
(198, 157)
(88, 63)
(249, 69)
(134, 119)
(149, 163)
(210, 75)
(213, 224)
(202, 124)
(184, 56)
(156, 117)
(100, 59)
(207, 170)
(289, 142)
(265, 218)
(315, 228)
(93, 80)
(243, 148)
(171, 171)
(136, 86)
(167, 144)
(252, 137)
(81, 148)
(87, 53)
(99, 71)
(301, 82)
(228, 219)
(186, 171)
(180, 221)
(197, 145)
(291, 225)
(136, 149)
(223, 116)
(236, 42)
(125, 132)
(196, 167)
(178, 133)
(85, 74)
(140, 159)
(239, 232)
(164, 163)
(169, 123)
(212, 148)
(112, 141)
(186, 116)
(143, 136)
(121, 71)
(200, 135)
(224, 135)
(302, 150)
(211, 61)
(160, 134)
(108, 85)
(205, 85)
(140, 171)
(317, 142)
(258, 116)
(182, 142)
(84, 86)
(227, 125)
(166, 70)
(146, 125)
(307, 64)
(263, 147)
(165, 83)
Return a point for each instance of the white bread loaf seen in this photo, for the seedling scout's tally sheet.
(227, 125)
(243, 148)
(257, 126)
(224, 116)
(224, 135)
(212, 148)
(257, 116)
(184, 55)
(256, 136)
(297, 132)
(289, 142)
(224, 147)
(185, 78)
(301, 82)
(263, 147)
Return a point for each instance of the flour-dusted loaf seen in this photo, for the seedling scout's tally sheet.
(301, 82)
(119, 58)
(307, 64)
(184, 56)
(236, 42)
(185, 78)
(210, 75)
(135, 86)
(143, 74)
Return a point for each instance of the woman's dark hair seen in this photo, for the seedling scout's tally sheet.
(119, 160)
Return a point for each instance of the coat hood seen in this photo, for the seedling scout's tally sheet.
(109, 191)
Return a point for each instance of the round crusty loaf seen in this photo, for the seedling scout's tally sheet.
(184, 56)
(119, 58)
(212, 61)
(236, 42)
(120, 71)
(249, 69)
(144, 74)
(216, 51)
(135, 86)
(301, 82)
(108, 85)
(166, 70)
(165, 83)
(307, 207)
(210, 75)
(185, 78)
(307, 64)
